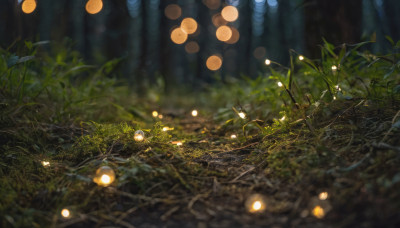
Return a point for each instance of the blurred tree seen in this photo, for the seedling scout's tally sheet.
(337, 21)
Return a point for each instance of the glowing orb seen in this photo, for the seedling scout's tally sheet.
(214, 62)
(28, 6)
(94, 6)
(224, 33)
(189, 25)
(230, 13)
(173, 11)
(104, 176)
(65, 213)
(178, 36)
(138, 136)
(194, 113)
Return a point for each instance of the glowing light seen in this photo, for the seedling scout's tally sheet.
(212, 4)
(45, 163)
(301, 58)
(280, 84)
(105, 179)
(28, 6)
(168, 128)
(233, 136)
(178, 143)
(218, 20)
(160, 116)
(214, 62)
(189, 25)
(224, 33)
(323, 196)
(334, 97)
(318, 212)
(283, 118)
(94, 6)
(230, 13)
(334, 68)
(255, 203)
(235, 36)
(242, 115)
(139, 136)
(338, 88)
(154, 114)
(173, 11)
(267, 62)
(192, 47)
(178, 36)
(104, 176)
(65, 213)
(194, 113)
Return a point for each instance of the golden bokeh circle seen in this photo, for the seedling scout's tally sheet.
(214, 62)
(230, 13)
(224, 33)
(94, 6)
(178, 36)
(218, 20)
(173, 11)
(189, 25)
(28, 6)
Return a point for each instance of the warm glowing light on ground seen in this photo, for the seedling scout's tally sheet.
(255, 203)
(173, 11)
(104, 176)
(28, 6)
(267, 62)
(154, 114)
(323, 196)
(230, 13)
(160, 116)
(45, 163)
(94, 6)
(65, 213)
(192, 47)
(138, 136)
(334, 68)
(189, 25)
(178, 143)
(105, 179)
(194, 113)
(233, 136)
(168, 128)
(235, 36)
(212, 4)
(318, 212)
(301, 58)
(224, 33)
(214, 62)
(178, 36)
(283, 118)
(280, 84)
(242, 115)
(218, 20)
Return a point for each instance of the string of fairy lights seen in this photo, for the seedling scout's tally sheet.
(225, 32)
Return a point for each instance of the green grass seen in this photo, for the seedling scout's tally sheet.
(338, 135)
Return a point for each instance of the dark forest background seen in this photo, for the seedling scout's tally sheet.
(137, 33)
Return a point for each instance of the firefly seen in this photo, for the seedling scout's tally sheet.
(255, 203)
(154, 114)
(45, 163)
(267, 62)
(104, 176)
(280, 84)
(323, 196)
(233, 136)
(139, 136)
(242, 115)
(318, 212)
(194, 113)
(65, 213)
(301, 58)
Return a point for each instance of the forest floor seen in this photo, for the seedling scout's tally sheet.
(351, 156)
